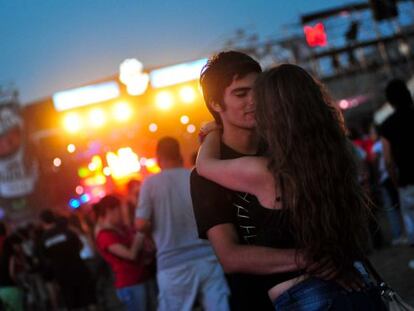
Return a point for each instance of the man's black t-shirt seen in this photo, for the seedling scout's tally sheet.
(60, 247)
(398, 129)
(214, 205)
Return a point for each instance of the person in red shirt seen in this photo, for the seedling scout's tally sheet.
(121, 248)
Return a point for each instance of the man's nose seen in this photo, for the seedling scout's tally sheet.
(250, 100)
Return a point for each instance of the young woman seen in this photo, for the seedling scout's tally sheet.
(121, 247)
(309, 179)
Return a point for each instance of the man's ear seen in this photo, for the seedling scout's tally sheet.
(216, 106)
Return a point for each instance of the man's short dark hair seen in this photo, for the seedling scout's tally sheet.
(220, 71)
(398, 95)
(47, 216)
(107, 203)
(169, 148)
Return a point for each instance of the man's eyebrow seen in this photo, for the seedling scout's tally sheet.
(241, 89)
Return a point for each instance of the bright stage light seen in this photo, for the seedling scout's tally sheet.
(74, 203)
(191, 128)
(129, 69)
(95, 164)
(138, 85)
(84, 198)
(107, 171)
(122, 111)
(344, 104)
(152, 166)
(123, 163)
(72, 122)
(97, 117)
(96, 180)
(153, 127)
(131, 74)
(164, 100)
(79, 190)
(187, 94)
(83, 172)
(184, 119)
(71, 148)
(57, 162)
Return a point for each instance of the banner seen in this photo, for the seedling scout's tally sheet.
(18, 170)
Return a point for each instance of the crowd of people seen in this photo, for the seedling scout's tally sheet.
(274, 215)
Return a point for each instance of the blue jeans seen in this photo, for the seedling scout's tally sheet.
(133, 297)
(407, 210)
(314, 294)
(390, 203)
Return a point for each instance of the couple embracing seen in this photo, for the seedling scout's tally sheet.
(276, 190)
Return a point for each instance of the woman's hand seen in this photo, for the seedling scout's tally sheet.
(206, 129)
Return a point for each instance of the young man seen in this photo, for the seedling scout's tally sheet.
(222, 215)
(60, 248)
(187, 268)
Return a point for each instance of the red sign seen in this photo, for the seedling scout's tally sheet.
(315, 35)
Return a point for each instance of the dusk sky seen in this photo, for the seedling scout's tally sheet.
(51, 45)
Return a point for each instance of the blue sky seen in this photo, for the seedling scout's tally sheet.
(51, 45)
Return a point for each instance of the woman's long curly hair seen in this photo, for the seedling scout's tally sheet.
(310, 156)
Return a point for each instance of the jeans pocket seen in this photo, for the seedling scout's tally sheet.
(312, 295)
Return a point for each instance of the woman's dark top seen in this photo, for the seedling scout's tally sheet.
(273, 229)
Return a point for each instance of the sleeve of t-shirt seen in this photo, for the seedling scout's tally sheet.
(211, 203)
(106, 238)
(145, 204)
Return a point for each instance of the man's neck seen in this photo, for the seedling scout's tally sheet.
(169, 164)
(241, 140)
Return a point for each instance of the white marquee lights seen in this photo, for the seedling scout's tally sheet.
(86, 95)
(177, 74)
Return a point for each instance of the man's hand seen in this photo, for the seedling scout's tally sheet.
(326, 270)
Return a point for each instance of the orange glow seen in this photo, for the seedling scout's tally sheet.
(123, 163)
(187, 94)
(97, 117)
(98, 192)
(164, 100)
(96, 180)
(72, 122)
(83, 172)
(122, 111)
